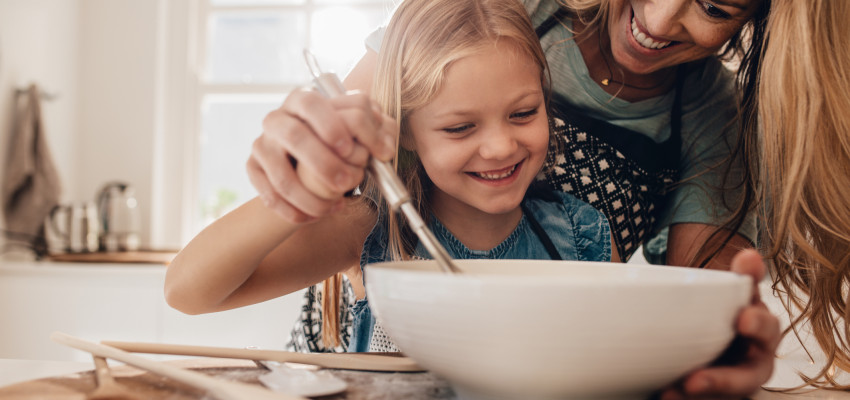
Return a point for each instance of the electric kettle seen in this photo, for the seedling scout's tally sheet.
(119, 217)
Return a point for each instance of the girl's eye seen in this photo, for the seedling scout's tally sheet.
(524, 114)
(714, 12)
(458, 129)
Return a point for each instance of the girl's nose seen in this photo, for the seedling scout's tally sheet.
(499, 144)
(662, 17)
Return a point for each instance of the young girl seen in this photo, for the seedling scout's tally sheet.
(466, 80)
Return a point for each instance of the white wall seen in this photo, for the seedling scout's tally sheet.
(39, 43)
(118, 114)
(118, 59)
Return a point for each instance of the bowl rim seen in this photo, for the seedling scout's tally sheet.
(704, 277)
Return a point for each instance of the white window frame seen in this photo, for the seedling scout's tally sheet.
(179, 95)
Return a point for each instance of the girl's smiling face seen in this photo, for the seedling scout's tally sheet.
(484, 136)
(650, 35)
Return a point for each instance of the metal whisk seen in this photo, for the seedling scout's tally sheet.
(391, 186)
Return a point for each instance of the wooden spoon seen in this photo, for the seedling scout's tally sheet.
(107, 387)
(386, 362)
(220, 389)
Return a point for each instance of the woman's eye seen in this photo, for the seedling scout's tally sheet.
(524, 114)
(714, 12)
(458, 129)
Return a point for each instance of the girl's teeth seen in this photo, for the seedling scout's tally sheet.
(644, 40)
(493, 177)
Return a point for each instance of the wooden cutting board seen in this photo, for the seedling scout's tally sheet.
(146, 257)
(150, 386)
(361, 385)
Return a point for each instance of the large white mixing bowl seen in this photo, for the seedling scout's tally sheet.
(556, 329)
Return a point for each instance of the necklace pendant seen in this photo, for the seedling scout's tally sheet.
(605, 82)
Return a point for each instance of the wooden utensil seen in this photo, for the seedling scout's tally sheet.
(220, 389)
(298, 379)
(390, 362)
(107, 387)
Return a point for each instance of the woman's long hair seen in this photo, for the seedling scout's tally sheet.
(804, 113)
(422, 40)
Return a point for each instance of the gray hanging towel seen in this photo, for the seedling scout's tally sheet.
(31, 186)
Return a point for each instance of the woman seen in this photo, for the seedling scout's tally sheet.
(639, 83)
(627, 96)
(805, 172)
(642, 78)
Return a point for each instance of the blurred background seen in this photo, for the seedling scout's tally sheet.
(166, 95)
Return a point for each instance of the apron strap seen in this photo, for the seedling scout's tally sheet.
(541, 234)
(550, 22)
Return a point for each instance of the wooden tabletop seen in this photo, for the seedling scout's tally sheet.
(361, 385)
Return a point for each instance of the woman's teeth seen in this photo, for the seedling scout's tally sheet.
(644, 40)
(495, 176)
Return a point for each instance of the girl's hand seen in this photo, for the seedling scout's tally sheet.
(313, 150)
(748, 362)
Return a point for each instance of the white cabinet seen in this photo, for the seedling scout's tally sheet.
(121, 302)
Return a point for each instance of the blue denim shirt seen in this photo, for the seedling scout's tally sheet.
(578, 231)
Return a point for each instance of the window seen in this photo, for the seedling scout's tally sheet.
(249, 57)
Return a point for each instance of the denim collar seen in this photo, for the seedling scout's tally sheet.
(458, 250)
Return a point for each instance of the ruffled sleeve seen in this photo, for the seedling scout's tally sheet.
(590, 228)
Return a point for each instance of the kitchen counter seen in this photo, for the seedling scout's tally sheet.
(118, 301)
(117, 257)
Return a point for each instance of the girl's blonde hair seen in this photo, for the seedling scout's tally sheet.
(422, 40)
(804, 113)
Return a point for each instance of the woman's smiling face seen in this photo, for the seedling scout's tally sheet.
(650, 35)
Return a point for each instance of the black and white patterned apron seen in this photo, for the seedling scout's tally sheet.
(306, 334)
(622, 173)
